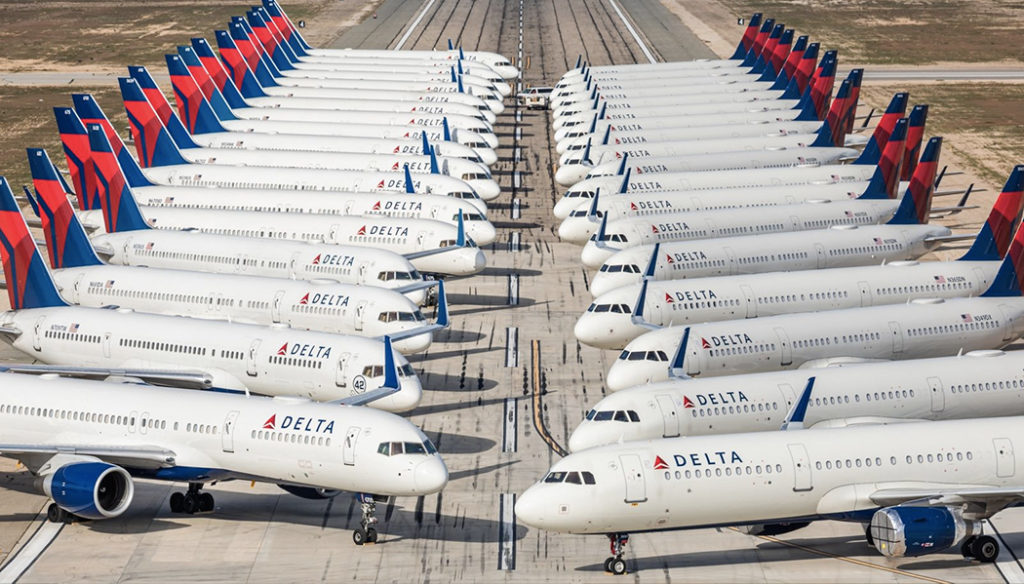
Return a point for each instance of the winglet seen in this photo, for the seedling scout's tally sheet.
(622, 165)
(446, 129)
(66, 242)
(653, 263)
(442, 305)
(390, 369)
(409, 188)
(625, 180)
(586, 151)
(600, 235)
(592, 212)
(637, 317)
(676, 369)
(607, 134)
(460, 238)
(434, 169)
(795, 418)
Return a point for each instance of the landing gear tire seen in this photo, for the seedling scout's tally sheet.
(359, 537)
(177, 502)
(967, 547)
(206, 502)
(366, 532)
(867, 536)
(617, 566)
(371, 535)
(608, 564)
(985, 549)
(54, 514)
(190, 505)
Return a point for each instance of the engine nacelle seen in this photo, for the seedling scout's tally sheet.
(311, 492)
(916, 531)
(90, 489)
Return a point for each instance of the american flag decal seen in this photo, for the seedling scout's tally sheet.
(940, 279)
(966, 318)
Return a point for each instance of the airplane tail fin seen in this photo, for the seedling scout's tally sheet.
(265, 37)
(796, 54)
(66, 242)
(133, 89)
(90, 112)
(235, 38)
(284, 24)
(29, 284)
(777, 58)
(120, 211)
(246, 31)
(821, 84)
(193, 108)
(993, 239)
(771, 43)
(835, 121)
(224, 80)
(152, 140)
(237, 68)
(178, 67)
(75, 141)
(759, 40)
(207, 81)
(279, 37)
(896, 110)
(1009, 281)
(915, 137)
(747, 41)
(892, 156)
(801, 78)
(917, 202)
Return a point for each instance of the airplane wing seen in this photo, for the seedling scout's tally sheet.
(104, 250)
(182, 379)
(135, 456)
(977, 502)
(416, 286)
(441, 323)
(954, 237)
(10, 332)
(391, 382)
(460, 242)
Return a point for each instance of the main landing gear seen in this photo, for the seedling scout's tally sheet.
(54, 514)
(366, 533)
(192, 501)
(615, 564)
(983, 548)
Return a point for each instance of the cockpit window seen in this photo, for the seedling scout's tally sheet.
(584, 213)
(554, 477)
(572, 477)
(398, 316)
(465, 195)
(616, 237)
(406, 371)
(396, 448)
(616, 268)
(390, 275)
(469, 217)
(627, 416)
(657, 356)
(579, 195)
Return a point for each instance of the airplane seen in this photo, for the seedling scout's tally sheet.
(839, 118)
(585, 219)
(323, 305)
(430, 245)
(149, 132)
(717, 223)
(497, 62)
(979, 384)
(377, 95)
(923, 327)
(225, 83)
(207, 130)
(620, 315)
(921, 488)
(653, 180)
(89, 441)
(233, 356)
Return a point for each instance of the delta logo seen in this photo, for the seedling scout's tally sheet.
(687, 403)
(283, 350)
(305, 350)
(704, 343)
(376, 206)
(380, 185)
(632, 207)
(316, 260)
(300, 423)
(362, 230)
(304, 300)
(659, 462)
(654, 229)
(668, 298)
(668, 258)
(394, 166)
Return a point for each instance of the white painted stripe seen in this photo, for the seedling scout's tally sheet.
(519, 115)
(509, 437)
(1007, 562)
(30, 552)
(513, 289)
(517, 154)
(412, 26)
(513, 241)
(519, 133)
(512, 346)
(516, 209)
(516, 179)
(507, 535)
(632, 31)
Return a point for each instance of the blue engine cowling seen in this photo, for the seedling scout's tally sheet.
(917, 531)
(90, 489)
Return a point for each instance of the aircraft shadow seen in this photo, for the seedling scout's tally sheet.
(449, 443)
(447, 382)
(461, 474)
(522, 272)
(432, 355)
(515, 225)
(451, 407)
(457, 336)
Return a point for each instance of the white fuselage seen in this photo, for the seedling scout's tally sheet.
(649, 180)
(668, 121)
(322, 305)
(769, 477)
(475, 174)
(342, 98)
(387, 58)
(729, 85)
(227, 254)
(400, 235)
(677, 77)
(691, 110)
(980, 384)
(266, 360)
(354, 110)
(718, 223)
(916, 330)
(698, 300)
(836, 247)
(645, 101)
(578, 227)
(267, 177)
(397, 70)
(342, 80)
(290, 123)
(217, 435)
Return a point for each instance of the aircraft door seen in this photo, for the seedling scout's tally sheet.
(819, 252)
(750, 300)
(131, 422)
(293, 265)
(348, 207)
(364, 267)
(360, 315)
(275, 307)
(106, 345)
(77, 288)
(341, 374)
(37, 334)
(692, 362)
(669, 416)
(1005, 466)
(897, 337)
(733, 267)
(801, 468)
(1008, 329)
(348, 450)
(227, 437)
(865, 293)
(938, 394)
(785, 350)
(144, 421)
(633, 470)
(250, 358)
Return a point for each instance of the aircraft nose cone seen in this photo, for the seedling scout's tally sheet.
(430, 476)
(407, 398)
(530, 507)
(605, 282)
(487, 155)
(583, 437)
(576, 230)
(487, 189)
(570, 174)
(593, 256)
(482, 232)
(479, 261)
(620, 377)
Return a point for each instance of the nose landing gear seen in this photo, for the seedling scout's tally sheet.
(615, 564)
(366, 533)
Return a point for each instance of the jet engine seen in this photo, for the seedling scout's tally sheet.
(916, 531)
(90, 489)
